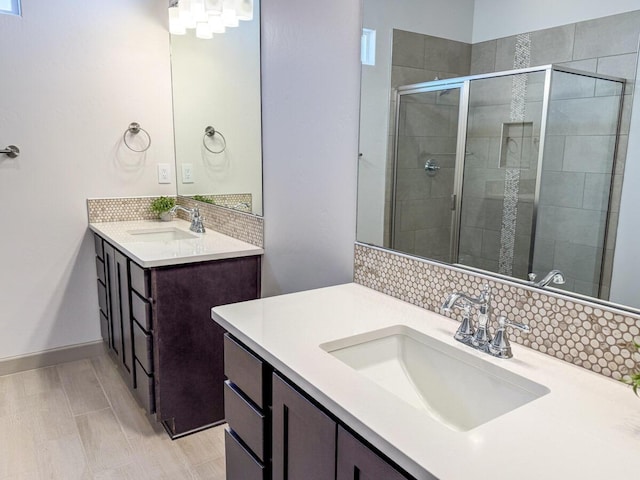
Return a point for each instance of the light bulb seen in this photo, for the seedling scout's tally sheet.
(203, 30)
(216, 25)
(175, 25)
(244, 10)
(213, 7)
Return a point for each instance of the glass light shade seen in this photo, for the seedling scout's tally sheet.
(229, 18)
(185, 14)
(197, 11)
(203, 30)
(213, 7)
(175, 25)
(244, 10)
(216, 25)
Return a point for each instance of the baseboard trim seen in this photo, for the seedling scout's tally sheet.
(51, 357)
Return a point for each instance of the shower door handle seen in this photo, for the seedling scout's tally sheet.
(453, 201)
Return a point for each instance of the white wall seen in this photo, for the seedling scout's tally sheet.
(217, 82)
(73, 75)
(310, 75)
(502, 18)
(441, 18)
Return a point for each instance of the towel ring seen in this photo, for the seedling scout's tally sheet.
(11, 151)
(134, 129)
(211, 132)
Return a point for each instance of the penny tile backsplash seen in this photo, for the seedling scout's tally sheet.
(586, 334)
(236, 224)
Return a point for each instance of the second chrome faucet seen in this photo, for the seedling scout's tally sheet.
(480, 337)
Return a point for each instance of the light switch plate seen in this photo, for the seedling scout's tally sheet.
(164, 173)
(187, 173)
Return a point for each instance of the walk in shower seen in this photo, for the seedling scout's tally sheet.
(510, 172)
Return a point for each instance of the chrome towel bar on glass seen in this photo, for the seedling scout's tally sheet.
(211, 132)
(11, 151)
(134, 129)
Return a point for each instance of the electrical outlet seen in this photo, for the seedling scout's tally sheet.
(187, 173)
(164, 173)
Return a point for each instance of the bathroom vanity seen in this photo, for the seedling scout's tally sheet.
(156, 286)
(302, 396)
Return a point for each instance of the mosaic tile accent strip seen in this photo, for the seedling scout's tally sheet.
(591, 336)
(242, 202)
(120, 209)
(243, 226)
(522, 59)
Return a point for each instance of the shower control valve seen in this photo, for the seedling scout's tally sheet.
(431, 167)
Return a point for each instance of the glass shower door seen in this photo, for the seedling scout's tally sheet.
(500, 172)
(422, 215)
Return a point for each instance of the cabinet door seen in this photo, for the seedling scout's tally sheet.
(356, 461)
(124, 295)
(304, 438)
(115, 319)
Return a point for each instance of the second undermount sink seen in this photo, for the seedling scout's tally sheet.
(166, 234)
(455, 387)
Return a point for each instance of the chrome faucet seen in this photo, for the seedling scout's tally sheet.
(194, 214)
(481, 338)
(555, 276)
(466, 333)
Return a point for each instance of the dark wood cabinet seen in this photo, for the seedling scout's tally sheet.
(157, 324)
(356, 461)
(115, 292)
(302, 439)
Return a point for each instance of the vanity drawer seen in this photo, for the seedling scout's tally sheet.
(102, 276)
(143, 348)
(144, 388)
(241, 465)
(140, 280)
(102, 298)
(244, 369)
(104, 328)
(244, 419)
(141, 310)
(99, 246)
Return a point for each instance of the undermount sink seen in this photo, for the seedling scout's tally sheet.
(167, 234)
(455, 387)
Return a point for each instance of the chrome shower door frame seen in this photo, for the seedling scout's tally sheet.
(433, 86)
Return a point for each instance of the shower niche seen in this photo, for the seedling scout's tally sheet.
(526, 163)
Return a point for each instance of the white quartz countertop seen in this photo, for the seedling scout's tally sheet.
(587, 427)
(202, 247)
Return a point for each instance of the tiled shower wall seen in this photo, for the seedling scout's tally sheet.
(609, 46)
(428, 131)
(495, 144)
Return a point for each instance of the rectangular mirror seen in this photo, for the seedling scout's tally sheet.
(217, 111)
(498, 153)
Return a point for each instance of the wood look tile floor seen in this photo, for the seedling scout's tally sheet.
(79, 421)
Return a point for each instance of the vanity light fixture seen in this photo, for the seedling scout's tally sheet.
(207, 16)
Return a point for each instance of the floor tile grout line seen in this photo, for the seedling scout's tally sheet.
(104, 391)
(75, 423)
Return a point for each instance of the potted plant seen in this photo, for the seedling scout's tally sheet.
(161, 206)
(633, 378)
